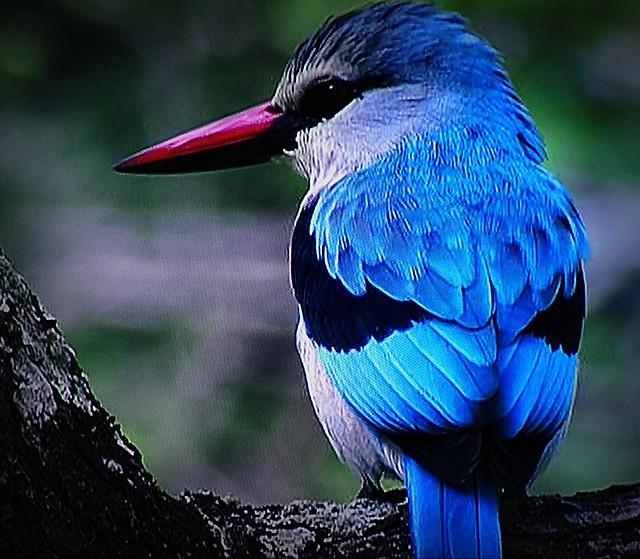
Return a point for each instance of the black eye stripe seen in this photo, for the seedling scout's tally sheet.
(324, 98)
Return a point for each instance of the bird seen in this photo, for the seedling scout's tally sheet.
(436, 263)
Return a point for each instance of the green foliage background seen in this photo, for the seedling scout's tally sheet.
(83, 84)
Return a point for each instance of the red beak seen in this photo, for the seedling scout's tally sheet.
(249, 137)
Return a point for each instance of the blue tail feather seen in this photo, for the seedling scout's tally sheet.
(455, 522)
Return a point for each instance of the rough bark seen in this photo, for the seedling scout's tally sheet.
(72, 485)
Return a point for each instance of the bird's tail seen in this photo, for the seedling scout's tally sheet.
(449, 521)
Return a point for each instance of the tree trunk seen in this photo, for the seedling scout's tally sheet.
(71, 484)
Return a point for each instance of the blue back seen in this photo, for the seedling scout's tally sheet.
(436, 263)
(466, 233)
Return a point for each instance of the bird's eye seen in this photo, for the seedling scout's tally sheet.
(324, 99)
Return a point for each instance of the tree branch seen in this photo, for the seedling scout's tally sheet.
(71, 484)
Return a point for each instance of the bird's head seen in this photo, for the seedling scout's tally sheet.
(351, 92)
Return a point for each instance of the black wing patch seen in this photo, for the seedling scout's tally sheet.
(560, 324)
(335, 318)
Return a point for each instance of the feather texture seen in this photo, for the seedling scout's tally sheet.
(445, 508)
(467, 323)
(438, 268)
(437, 254)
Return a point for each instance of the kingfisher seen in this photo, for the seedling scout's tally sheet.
(436, 263)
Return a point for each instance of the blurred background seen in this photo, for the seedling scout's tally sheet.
(174, 290)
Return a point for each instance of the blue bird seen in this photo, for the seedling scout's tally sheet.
(437, 265)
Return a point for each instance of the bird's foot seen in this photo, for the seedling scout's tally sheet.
(374, 492)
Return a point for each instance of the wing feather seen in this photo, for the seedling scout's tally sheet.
(448, 247)
(482, 249)
(536, 389)
(414, 380)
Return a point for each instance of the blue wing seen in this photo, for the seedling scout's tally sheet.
(418, 284)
